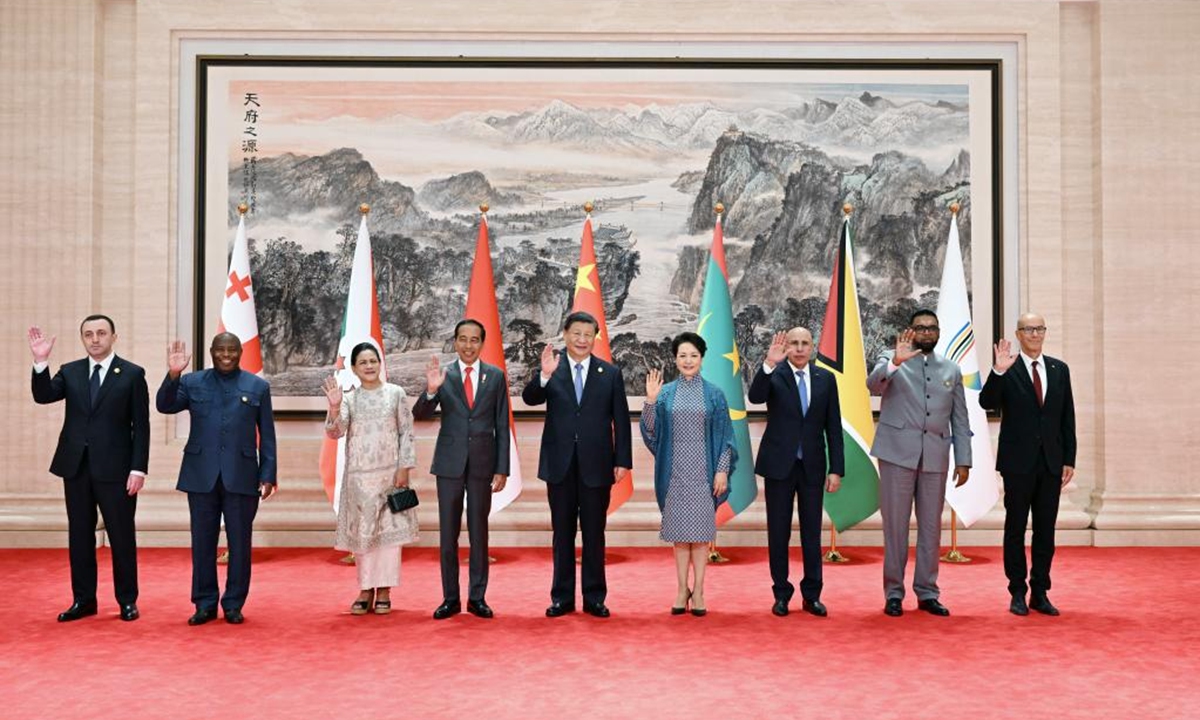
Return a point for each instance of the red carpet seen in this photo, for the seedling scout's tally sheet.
(1125, 646)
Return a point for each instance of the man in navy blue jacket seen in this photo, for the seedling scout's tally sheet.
(803, 418)
(228, 464)
(587, 446)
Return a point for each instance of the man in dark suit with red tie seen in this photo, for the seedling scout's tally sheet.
(804, 418)
(1036, 454)
(586, 447)
(102, 454)
(470, 458)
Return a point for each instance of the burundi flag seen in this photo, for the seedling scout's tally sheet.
(237, 308)
(481, 306)
(841, 352)
(980, 493)
(360, 324)
(590, 299)
(723, 368)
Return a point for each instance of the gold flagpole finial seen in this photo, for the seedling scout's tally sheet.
(719, 208)
(364, 208)
(243, 208)
(847, 208)
(483, 208)
(954, 207)
(588, 207)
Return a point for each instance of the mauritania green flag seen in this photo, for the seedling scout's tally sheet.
(723, 368)
(841, 352)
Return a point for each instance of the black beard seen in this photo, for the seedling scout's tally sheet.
(925, 346)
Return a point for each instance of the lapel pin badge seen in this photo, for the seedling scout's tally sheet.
(599, 369)
(245, 399)
(116, 371)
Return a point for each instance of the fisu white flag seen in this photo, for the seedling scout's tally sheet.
(974, 499)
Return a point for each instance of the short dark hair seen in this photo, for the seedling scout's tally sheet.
(359, 348)
(580, 316)
(923, 312)
(690, 338)
(112, 328)
(471, 321)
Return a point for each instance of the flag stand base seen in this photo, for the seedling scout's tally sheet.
(348, 560)
(223, 558)
(714, 554)
(834, 555)
(954, 556)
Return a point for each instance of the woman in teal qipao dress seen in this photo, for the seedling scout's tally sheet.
(685, 424)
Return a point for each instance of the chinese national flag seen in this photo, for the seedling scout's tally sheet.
(590, 299)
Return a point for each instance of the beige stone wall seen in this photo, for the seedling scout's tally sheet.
(1107, 167)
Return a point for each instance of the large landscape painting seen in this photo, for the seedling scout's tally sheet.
(653, 148)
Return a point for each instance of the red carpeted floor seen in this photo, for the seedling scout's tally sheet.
(1126, 645)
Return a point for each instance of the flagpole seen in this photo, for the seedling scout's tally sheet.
(223, 556)
(953, 555)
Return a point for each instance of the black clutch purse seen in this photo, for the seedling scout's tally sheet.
(403, 499)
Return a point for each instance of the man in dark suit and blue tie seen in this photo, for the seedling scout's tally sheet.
(1036, 455)
(586, 448)
(804, 418)
(102, 454)
(470, 458)
(228, 464)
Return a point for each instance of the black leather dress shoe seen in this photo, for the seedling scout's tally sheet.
(480, 609)
(560, 609)
(129, 612)
(234, 617)
(893, 607)
(780, 608)
(598, 610)
(933, 607)
(202, 616)
(815, 607)
(1018, 606)
(447, 609)
(1041, 603)
(77, 610)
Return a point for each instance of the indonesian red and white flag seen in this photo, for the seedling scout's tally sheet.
(237, 307)
(482, 306)
(360, 324)
(590, 299)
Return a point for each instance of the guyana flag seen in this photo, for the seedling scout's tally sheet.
(723, 368)
(841, 352)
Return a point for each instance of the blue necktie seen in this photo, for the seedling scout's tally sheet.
(803, 403)
(94, 384)
(579, 383)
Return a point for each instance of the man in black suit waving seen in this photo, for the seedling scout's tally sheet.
(102, 454)
(804, 417)
(470, 458)
(586, 447)
(1036, 455)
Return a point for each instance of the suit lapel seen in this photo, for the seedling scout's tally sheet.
(454, 384)
(593, 377)
(1023, 379)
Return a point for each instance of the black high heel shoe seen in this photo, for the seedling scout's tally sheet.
(675, 610)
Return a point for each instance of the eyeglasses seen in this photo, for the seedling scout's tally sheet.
(925, 328)
(1033, 330)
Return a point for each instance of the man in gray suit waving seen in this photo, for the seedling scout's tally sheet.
(470, 458)
(923, 411)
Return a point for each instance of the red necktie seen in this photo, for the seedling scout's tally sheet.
(1037, 384)
(469, 389)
